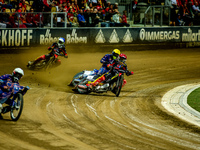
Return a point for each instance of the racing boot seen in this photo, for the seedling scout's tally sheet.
(30, 63)
(89, 86)
(83, 86)
(124, 82)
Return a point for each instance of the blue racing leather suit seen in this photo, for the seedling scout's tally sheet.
(107, 59)
(6, 87)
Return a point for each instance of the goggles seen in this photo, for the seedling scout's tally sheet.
(18, 75)
(122, 59)
(60, 42)
(115, 55)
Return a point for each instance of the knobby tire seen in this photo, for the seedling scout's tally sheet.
(119, 85)
(19, 99)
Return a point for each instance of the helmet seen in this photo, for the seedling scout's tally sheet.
(115, 53)
(61, 42)
(122, 57)
(17, 74)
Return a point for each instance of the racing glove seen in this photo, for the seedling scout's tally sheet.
(49, 48)
(109, 66)
(25, 89)
(128, 73)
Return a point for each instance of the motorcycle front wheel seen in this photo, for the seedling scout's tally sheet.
(50, 63)
(16, 110)
(118, 87)
(76, 79)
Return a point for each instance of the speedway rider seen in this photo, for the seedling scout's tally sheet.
(56, 48)
(107, 59)
(6, 85)
(116, 65)
(122, 61)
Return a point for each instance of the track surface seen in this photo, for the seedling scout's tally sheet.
(55, 118)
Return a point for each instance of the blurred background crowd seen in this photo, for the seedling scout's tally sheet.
(93, 13)
(184, 12)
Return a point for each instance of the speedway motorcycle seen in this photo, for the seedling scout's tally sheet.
(83, 75)
(14, 102)
(44, 64)
(114, 84)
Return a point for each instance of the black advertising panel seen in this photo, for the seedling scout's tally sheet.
(72, 36)
(98, 36)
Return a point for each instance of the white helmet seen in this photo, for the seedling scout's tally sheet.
(61, 42)
(17, 74)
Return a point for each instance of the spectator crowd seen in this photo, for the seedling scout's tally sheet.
(70, 13)
(87, 13)
(184, 12)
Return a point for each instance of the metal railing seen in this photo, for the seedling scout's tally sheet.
(147, 9)
(44, 19)
(162, 10)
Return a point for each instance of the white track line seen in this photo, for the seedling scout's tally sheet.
(92, 109)
(73, 104)
(175, 101)
(116, 122)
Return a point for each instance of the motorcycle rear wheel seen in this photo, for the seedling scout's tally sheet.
(41, 64)
(16, 111)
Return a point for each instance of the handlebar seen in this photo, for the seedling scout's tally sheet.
(117, 70)
(122, 71)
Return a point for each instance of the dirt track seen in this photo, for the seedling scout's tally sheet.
(55, 118)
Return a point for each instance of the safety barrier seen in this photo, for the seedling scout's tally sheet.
(100, 36)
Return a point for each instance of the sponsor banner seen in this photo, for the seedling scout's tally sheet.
(72, 36)
(98, 36)
(114, 35)
(154, 35)
(191, 35)
(174, 34)
(16, 37)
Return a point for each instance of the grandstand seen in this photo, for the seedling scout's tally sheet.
(139, 12)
